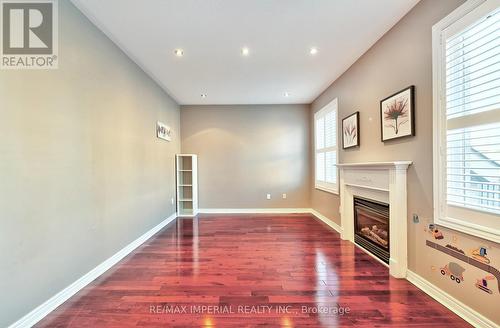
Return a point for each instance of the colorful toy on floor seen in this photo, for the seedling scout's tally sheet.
(480, 255)
(454, 271)
(482, 284)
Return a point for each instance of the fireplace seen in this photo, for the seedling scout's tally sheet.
(382, 183)
(371, 227)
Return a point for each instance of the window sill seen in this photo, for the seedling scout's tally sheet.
(470, 229)
(331, 191)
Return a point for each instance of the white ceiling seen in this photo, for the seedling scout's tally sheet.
(279, 34)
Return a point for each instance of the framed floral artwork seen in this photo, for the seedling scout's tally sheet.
(397, 114)
(350, 131)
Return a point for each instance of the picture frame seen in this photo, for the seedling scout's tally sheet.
(163, 131)
(397, 115)
(350, 131)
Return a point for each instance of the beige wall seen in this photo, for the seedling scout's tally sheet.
(402, 58)
(82, 173)
(246, 152)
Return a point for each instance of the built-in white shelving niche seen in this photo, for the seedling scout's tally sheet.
(187, 184)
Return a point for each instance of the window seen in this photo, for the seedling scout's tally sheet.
(466, 68)
(325, 141)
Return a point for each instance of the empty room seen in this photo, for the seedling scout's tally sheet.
(249, 163)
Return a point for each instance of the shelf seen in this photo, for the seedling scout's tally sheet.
(187, 184)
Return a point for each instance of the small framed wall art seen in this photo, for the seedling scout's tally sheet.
(163, 131)
(350, 131)
(397, 114)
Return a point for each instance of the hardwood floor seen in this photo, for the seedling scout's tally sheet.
(267, 270)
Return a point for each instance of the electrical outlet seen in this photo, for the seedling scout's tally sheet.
(172, 200)
(415, 218)
(268, 196)
(284, 196)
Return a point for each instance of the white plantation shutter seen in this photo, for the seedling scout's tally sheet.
(320, 166)
(469, 143)
(473, 163)
(325, 130)
(331, 164)
(331, 129)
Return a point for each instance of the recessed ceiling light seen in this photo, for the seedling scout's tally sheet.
(203, 95)
(313, 51)
(286, 94)
(179, 52)
(245, 51)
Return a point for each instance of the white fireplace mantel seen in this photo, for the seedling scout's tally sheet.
(379, 165)
(384, 182)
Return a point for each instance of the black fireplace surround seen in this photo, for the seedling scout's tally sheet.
(371, 227)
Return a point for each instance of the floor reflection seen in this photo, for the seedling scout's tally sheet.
(326, 276)
(285, 263)
(188, 242)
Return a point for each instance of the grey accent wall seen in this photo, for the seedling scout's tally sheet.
(401, 58)
(246, 152)
(82, 173)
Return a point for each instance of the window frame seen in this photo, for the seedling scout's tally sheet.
(477, 225)
(329, 187)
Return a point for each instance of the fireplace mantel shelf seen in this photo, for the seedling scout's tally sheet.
(403, 164)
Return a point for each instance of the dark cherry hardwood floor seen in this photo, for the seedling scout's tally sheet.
(263, 268)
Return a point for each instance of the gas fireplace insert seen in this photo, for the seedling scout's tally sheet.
(371, 227)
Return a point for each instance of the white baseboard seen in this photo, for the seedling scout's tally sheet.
(50, 305)
(320, 216)
(465, 312)
(253, 210)
(329, 222)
